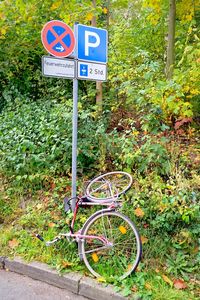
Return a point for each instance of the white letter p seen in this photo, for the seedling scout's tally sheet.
(89, 44)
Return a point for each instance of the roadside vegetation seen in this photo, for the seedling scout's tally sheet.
(147, 124)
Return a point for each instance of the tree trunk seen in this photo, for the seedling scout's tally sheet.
(99, 88)
(171, 39)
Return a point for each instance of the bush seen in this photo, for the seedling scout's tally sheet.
(36, 137)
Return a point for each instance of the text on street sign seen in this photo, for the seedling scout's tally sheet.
(92, 71)
(56, 67)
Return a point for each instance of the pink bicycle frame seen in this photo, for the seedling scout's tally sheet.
(78, 236)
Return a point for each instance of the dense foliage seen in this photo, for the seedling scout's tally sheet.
(149, 127)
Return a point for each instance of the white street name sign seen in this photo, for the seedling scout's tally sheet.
(58, 67)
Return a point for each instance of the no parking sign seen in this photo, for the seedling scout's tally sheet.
(58, 38)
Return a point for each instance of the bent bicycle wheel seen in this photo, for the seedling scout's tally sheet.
(109, 186)
(118, 258)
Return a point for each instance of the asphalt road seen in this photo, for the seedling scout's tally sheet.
(18, 287)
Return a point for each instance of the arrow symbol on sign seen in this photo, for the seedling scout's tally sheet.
(61, 48)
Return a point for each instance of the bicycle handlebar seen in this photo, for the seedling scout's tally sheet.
(48, 243)
(39, 237)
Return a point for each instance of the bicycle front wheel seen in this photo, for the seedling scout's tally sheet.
(109, 186)
(121, 256)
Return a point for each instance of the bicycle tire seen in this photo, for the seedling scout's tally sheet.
(123, 257)
(109, 186)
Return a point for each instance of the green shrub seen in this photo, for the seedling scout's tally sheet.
(36, 137)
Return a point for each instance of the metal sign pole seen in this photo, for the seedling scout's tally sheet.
(75, 128)
(74, 140)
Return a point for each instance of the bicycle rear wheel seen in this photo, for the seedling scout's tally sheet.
(109, 186)
(119, 259)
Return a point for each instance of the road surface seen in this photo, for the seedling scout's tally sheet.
(18, 287)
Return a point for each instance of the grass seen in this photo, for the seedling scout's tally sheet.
(160, 289)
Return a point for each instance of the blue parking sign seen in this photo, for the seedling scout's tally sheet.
(92, 44)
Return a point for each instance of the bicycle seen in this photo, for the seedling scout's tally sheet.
(109, 242)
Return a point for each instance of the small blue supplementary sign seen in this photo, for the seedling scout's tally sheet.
(92, 44)
(91, 71)
(83, 70)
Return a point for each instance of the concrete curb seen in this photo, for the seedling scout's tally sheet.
(73, 282)
(2, 263)
(94, 290)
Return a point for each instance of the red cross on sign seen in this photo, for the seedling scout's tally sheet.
(58, 38)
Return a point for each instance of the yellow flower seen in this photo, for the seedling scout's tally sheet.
(105, 10)
(89, 16)
(55, 5)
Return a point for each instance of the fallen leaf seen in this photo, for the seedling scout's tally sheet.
(56, 217)
(148, 286)
(129, 267)
(95, 257)
(122, 229)
(157, 270)
(138, 269)
(134, 288)
(66, 264)
(92, 231)
(139, 212)
(195, 250)
(52, 185)
(167, 280)
(179, 284)
(68, 188)
(144, 239)
(181, 122)
(67, 221)
(39, 206)
(195, 281)
(146, 225)
(101, 279)
(51, 224)
(13, 243)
